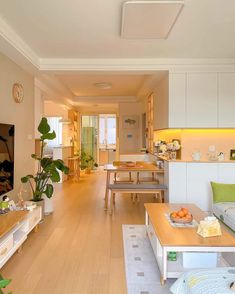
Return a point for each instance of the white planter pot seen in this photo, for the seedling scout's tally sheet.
(48, 205)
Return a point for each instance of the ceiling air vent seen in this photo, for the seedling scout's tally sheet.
(149, 19)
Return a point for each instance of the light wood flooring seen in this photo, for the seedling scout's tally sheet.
(78, 249)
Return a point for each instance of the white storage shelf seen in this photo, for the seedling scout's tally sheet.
(176, 268)
(11, 242)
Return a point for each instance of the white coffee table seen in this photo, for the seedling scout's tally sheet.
(165, 238)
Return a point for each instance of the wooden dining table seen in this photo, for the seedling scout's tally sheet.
(137, 167)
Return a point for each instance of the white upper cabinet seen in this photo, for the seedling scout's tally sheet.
(226, 100)
(195, 100)
(201, 104)
(177, 100)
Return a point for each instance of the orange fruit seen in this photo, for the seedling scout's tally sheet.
(188, 216)
(185, 210)
(173, 214)
(180, 213)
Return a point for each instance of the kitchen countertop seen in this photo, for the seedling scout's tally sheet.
(194, 161)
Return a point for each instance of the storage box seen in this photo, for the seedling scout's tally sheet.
(199, 259)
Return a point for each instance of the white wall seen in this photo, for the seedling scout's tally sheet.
(130, 140)
(38, 109)
(21, 115)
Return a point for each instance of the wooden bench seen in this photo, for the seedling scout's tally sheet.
(137, 189)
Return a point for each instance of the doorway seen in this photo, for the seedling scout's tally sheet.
(99, 136)
(107, 138)
(89, 135)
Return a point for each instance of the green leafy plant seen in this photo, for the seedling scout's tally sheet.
(47, 168)
(3, 284)
(87, 161)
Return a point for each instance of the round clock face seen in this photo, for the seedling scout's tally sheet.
(18, 92)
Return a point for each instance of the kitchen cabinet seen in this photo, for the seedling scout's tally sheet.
(177, 100)
(195, 100)
(226, 82)
(199, 176)
(189, 182)
(175, 180)
(226, 173)
(201, 104)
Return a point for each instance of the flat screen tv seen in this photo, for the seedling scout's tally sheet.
(7, 133)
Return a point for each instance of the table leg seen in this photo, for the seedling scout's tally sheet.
(107, 191)
(164, 266)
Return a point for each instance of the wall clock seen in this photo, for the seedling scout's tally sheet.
(18, 92)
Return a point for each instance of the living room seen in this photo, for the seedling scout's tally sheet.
(166, 86)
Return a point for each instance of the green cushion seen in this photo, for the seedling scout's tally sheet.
(223, 192)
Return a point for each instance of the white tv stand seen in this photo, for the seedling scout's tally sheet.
(16, 226)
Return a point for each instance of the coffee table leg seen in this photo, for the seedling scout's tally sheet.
(164, 266)
(162, 281)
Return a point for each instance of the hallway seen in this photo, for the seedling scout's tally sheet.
(78, 249)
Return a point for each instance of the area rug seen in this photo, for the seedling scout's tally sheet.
(142, 273)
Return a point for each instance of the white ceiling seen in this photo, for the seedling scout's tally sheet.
(91, 29)
(122, 84)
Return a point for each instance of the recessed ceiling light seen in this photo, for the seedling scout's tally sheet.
(103, 85)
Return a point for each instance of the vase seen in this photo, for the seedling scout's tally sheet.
(173, 155)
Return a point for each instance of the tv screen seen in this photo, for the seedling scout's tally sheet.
(6, 158)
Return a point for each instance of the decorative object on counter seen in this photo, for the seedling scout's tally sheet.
(170, 150)
(232, 154)
(212, 154)
(221, 156)
(4, 205)
(209, 227)
(47, 173)
(196, 155)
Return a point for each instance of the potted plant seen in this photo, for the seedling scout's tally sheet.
(87, 162)
(3, 283)
(47, 173)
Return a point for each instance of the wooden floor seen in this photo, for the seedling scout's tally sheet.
(78, 249)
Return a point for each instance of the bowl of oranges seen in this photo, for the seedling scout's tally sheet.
(181, 216)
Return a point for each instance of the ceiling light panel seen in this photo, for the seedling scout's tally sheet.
(149, 19)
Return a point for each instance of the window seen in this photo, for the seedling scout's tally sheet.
(107, 131)
(57, 127)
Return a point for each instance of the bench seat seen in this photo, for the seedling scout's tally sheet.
(137, 189)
